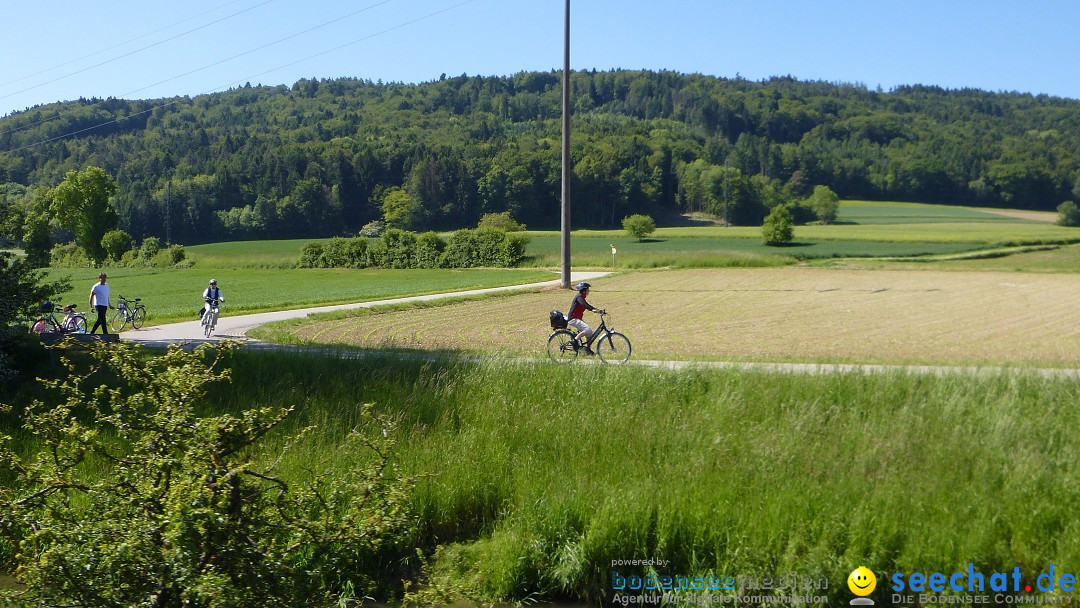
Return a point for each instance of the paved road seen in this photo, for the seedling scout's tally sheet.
(237, 326)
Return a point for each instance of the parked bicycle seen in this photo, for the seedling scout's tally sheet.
(128, 311)
(210, 317)
(563, 346)
(72, 323)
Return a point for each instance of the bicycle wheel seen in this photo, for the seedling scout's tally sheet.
(560, 347)
(40, 326)
(208, 326)
(138, 318)
(77, 325)
(613, 347)
(119, 320)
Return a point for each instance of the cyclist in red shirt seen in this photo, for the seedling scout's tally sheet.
(577, 311)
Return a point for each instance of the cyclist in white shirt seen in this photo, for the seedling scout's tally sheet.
(212, 293)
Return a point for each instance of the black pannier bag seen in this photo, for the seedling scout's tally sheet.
(558, 320)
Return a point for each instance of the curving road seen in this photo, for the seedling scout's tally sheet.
(237, 326)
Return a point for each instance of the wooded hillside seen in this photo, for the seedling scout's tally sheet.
(318, 159)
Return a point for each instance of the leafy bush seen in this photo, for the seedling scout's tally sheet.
(175, 254)
(403, 249)
(1068, 214)
(429, 250)
(501, 220)
(150, 248)
(311, 255)
(68, 255)
(130, 258)
(639, 226)
(116, 243)
(399, 248)
(135, 500)
(778, 227)
(484, 247)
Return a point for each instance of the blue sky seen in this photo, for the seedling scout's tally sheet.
(62, 49)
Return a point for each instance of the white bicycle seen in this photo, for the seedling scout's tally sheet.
(210, 317)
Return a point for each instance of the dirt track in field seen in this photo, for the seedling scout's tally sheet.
(771, 314)
(1038, 216)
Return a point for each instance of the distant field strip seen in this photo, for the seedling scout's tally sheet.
(777, 314)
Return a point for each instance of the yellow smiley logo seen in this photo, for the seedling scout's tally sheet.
(862, 581)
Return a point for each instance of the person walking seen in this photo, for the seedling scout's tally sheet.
(99, 300)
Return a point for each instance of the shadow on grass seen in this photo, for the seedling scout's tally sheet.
(791, 245)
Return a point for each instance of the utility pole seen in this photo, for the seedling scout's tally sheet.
(566, 152)
(726, 221)
(168, 211)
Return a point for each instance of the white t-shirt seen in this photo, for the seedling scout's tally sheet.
(214, 293)
(100, 294)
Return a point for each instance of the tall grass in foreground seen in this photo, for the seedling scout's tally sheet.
(541, 475)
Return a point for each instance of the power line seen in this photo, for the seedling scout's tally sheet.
(248, 78)
(126, 42)
(128, 54)
(219, 62)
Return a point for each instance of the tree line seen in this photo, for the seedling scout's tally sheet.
(325, 157)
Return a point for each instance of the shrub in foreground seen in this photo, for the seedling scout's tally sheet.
(135, 500)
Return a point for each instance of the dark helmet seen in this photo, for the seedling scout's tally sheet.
(582, 286)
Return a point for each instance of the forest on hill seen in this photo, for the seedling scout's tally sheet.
(322, 157)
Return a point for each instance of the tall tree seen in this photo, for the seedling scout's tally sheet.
(81, 204)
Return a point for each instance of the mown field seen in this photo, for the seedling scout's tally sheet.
(774, 314)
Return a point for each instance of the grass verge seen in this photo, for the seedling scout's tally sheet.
(540, 475)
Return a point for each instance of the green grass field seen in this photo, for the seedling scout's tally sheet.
(882, 212)
(249, 254)
(537, 484)
(533, 486)
(176, 295)
(867, 229)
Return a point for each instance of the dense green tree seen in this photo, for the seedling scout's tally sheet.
(81, 204)
(36, 231)
(825, 204)
(25, 289)
(399, 209)
(779, 226)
